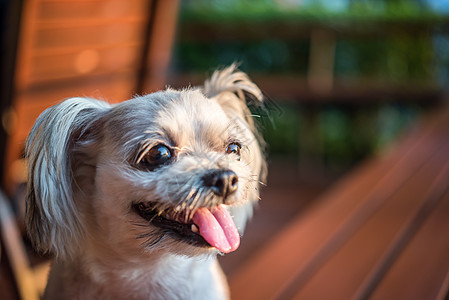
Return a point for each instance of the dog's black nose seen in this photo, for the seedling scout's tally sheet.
(221, 182)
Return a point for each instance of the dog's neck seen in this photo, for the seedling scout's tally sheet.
(166, 277)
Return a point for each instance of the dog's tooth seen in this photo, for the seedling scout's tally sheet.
(194, 228)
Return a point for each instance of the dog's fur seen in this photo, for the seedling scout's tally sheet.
(86, 175)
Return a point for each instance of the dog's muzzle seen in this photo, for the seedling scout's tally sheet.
(205, 226)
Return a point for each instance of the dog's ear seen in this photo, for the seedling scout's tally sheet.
(233, 90)
(53, 220)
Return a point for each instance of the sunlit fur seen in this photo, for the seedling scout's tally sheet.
(84, 176)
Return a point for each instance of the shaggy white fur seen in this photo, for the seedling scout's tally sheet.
(135, 199)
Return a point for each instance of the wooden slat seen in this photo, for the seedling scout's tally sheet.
(420, 271)
(443, 294)
(301, 249)
(25, 45)
(101, 62)
(56, 33)
(86, 23)
(371, 203)
(409, 229)
(378, 241)
(110, 32)
(42, 53)
(88, 9)
(161, 32)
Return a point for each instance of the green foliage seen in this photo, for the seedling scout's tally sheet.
(390, 41)
(269, 10)
(271, 55)
(395, 57)
(282, 131)
(338, 136)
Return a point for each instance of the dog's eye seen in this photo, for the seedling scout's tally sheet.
(233, 148)
(158, 155)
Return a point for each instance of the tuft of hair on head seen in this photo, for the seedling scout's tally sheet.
(53, 221)
(230, 79)
(234, 91)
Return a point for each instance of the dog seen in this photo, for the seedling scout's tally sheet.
(135, 200)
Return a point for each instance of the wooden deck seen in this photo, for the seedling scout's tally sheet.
(379, 233)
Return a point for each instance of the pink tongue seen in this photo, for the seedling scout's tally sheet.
(217, 228)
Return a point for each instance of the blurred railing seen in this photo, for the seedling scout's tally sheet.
(349, 82)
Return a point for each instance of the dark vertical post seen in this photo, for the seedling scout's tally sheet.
(10, 12)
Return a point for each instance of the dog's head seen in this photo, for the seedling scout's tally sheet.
(173, 171)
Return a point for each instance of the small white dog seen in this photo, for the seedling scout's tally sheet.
(136, 199)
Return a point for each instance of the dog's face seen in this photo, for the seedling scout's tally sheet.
(166, 155)
(173, 171)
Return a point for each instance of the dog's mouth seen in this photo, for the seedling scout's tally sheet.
(206, 227)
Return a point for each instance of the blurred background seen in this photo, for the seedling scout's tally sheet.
(344, 79)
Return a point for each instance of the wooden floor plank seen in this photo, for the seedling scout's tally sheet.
(420, 271)
(407, 232)
(282, 257)
(309, 240)
(346, 270)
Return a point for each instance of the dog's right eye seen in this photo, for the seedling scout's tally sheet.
(157, 156)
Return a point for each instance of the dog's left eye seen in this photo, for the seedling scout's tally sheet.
(233, 148)
(156, 156)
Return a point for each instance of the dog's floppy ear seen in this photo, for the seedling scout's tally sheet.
(53, 220)
(233, 90)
